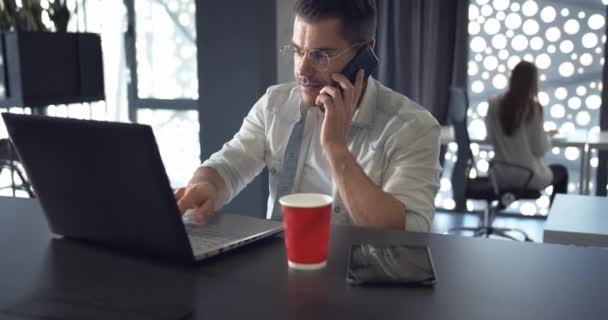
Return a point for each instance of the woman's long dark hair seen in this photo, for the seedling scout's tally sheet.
(520, 103)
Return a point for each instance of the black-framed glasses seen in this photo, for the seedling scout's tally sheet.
(319, 58)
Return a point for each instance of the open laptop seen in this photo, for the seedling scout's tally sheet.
(105, 182)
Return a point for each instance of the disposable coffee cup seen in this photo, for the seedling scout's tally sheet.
(306, 218)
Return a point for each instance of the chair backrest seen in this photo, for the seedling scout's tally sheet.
(458, 119)
(459, 104)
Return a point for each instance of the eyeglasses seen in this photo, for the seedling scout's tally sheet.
(319, 58)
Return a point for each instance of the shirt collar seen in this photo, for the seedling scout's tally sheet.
(363, 115)
(365, 112)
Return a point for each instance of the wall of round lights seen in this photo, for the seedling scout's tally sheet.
(565, 39)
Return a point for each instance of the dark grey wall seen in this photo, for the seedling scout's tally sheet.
(285, 15)
(236, 63)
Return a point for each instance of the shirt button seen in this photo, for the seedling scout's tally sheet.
(292, 155)
(273, 171)
(337, 209)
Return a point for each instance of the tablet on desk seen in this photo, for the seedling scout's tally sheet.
(390, 264)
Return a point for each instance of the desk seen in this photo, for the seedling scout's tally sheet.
(584, 140)
(477, 278)
(578, 220)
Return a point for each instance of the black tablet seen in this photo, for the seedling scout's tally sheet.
(390, 264)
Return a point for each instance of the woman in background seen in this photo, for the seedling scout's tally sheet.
(515, 129)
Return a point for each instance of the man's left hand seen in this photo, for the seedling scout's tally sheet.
(340, 105)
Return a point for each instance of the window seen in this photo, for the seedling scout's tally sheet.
(163, 89)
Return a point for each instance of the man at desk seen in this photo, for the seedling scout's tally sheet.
(374, 150)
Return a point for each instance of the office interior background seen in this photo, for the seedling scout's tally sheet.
(167, 64)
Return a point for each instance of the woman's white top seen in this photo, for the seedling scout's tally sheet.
(525, 147)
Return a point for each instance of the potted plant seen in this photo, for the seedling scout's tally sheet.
(60, 15)
(76, 71)
(28, 17)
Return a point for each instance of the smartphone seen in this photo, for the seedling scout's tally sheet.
(365, 59)
(390, 264)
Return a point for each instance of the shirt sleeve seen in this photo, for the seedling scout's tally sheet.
(242, 158)
(412, 175)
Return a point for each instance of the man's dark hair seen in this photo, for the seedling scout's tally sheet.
(358, 17)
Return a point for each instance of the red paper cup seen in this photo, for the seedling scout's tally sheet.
(306, 218)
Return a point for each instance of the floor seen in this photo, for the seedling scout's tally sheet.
(533, 226)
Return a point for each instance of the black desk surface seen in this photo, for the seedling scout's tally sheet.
(477, 279)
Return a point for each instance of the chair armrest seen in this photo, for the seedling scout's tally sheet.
(493, 177)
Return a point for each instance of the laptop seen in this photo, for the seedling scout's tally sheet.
(104, 182)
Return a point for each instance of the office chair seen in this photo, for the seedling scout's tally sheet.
(482, 188)
(8, 160)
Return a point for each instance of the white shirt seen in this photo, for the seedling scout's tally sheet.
(316, 173)
(395, 141)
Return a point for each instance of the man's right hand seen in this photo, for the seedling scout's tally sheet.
(202, 196)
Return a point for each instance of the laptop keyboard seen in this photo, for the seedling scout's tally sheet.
(205, 238)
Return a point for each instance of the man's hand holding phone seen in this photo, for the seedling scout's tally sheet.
(340, 100)
(340, 104)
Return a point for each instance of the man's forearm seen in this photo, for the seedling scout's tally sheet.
(210, 175)
(367, 204)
